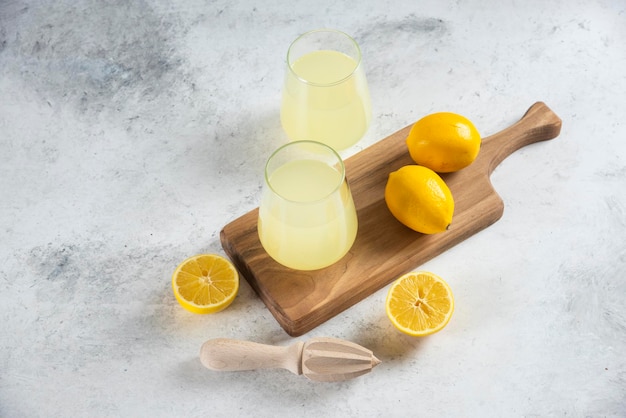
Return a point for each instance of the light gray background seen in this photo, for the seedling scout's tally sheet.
(132, 132)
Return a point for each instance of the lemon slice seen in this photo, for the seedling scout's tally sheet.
(205, 283)
(419, 303)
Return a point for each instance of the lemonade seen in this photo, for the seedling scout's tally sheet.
(307, 218)
(326, 99)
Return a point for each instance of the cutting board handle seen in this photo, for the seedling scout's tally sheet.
(539, 123)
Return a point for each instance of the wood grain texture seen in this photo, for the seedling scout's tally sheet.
(384, 249)
(227, 355)
(320, 359)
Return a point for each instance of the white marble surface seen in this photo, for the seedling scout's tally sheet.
(132, 132)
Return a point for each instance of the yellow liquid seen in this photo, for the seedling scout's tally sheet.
(314, 223)
(333, 106)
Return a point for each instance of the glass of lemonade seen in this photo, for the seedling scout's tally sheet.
(325, 95)
(307, 219)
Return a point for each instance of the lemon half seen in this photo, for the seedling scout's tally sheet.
(205, 283)
(419, 303)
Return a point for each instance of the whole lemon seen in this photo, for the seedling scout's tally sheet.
(420, 199)
(444, 142)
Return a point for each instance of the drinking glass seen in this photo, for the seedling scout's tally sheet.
(307, 219)
(325, 94)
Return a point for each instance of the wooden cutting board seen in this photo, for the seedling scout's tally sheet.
(384, 249)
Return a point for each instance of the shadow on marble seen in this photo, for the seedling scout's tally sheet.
(267, 383)
(387, 343)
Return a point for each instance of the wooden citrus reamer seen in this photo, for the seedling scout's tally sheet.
(320, 359)
(384, 248)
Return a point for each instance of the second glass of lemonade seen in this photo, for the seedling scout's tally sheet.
(307, 218)
(325, 95)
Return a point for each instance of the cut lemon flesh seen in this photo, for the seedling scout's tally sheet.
(419, 303)
(205, 283)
